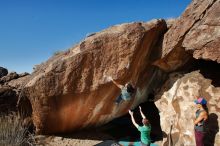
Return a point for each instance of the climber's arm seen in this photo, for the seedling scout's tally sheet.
(118, 85)
(132, 119)
(202, 116)
(142, 114)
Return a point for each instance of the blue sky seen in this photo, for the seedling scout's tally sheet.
(32, 30)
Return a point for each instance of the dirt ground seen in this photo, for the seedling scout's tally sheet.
(78, 139)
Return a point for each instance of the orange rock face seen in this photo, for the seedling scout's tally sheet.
(71, 91)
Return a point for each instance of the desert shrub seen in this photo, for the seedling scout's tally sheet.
(58, 53)
(13, 132)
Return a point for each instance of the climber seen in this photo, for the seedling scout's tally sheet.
(127, 91)
(201, 117)
(144, 130)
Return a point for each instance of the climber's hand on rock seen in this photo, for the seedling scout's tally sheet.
(109, 78)
(130, 112)
(140, 108)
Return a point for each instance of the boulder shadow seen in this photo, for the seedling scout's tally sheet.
(212, 128)
(121, 129)
(152, 113)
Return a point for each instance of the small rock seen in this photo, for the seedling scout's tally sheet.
(9, 77)
(23, 74)
(3, 72)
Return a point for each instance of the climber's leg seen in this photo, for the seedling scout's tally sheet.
(118, 99)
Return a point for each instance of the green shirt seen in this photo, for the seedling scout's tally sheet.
(145, 134)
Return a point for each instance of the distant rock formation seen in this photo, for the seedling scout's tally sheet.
(8, 99)
(3, 72)
(10, 87)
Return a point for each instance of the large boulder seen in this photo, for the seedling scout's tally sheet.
(177, 109)
(195, 32)
(71, 91)
(204, 37)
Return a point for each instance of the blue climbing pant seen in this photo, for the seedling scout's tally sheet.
(118, 99)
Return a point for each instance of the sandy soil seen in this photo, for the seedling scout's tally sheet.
(77, 139)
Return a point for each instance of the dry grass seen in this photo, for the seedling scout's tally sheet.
(13, 133)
